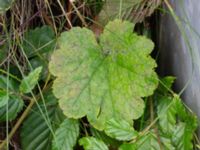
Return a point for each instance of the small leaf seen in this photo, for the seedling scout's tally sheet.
(166, 84)
(120, 130)
(91, 143)
(15, 105)
(103, 80)
(36, 132)
(5, 5)
(66, 135)
(37, 62)
(29, 82)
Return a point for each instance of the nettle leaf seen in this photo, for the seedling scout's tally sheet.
(66, 135)
(176, 123)
(91, 143)
(106, 80)
(149, 141)
(146, 142)
(167, 111)
(15, 103)
(120, 130)
(3, 98)
(39, 41)
(166, 142)
(185, 128)
(30, 81)
(36, 132)
(183, 135)
(5, 5)
(4, 82)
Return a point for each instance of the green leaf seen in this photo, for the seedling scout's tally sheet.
(182, 137)
(184, 130)
(37, 62)
(15, 105)
(35, 133)
(103, 81)
(176, 123)
(166, 84)
(66, 135)
(120, 130)
(167, 111)
(127, 146)
(91, 143)
(29, 82)
(39, 41)
(4, 82)
(3, 98)
(5, 5)
(148, 142)
(106, 139)
(166, 142)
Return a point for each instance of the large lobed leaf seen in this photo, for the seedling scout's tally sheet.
(105, 80)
